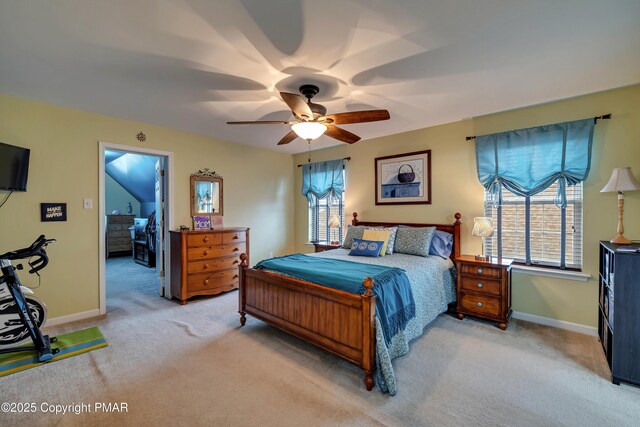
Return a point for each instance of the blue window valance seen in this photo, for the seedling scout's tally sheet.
(527, 161)
(323, 179)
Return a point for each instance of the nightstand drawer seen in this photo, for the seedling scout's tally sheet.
(480, 304)
(480, 285)
(480, 270)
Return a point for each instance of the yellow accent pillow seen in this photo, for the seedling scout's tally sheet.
(378, 235)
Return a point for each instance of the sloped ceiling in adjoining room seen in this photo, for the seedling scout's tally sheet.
(193, 65)
(134, 172)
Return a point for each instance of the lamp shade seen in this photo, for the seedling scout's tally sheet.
(482, 226)
(309, 130)
(334, 221)
(621, 180)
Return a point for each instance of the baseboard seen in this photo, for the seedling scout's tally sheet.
(72, 317)
(562, 324)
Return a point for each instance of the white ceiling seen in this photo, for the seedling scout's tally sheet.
(195, 64)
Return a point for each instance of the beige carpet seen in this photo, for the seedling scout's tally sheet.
(194, 365)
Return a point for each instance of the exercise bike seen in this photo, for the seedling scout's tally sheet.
(22, 316)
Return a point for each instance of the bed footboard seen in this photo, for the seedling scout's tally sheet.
(336, 321)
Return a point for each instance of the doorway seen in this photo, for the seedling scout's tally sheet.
(136, 214)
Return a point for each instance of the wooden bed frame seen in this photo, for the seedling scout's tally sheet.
(334, 320)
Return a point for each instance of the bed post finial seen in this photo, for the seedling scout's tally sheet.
(354, 221)
(457, 217)
(243, 260)
(368, 285)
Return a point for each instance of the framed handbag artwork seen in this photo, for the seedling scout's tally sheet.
(404, 179)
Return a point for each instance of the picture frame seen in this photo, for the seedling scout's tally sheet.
(202, 222)
(403, 179)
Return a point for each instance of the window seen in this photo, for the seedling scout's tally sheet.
(320, 213)
(532, 232)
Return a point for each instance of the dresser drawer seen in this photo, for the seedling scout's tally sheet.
(480, 285)
(209, 265)
(480, 270)
(201, 282)
(202, 239)
(480, 304)
(114, 227)
(234, 237)
(120, 241)
(194, 254)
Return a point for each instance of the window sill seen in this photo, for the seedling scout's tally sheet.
(550, 272)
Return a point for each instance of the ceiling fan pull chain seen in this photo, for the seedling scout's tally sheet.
(309, 150)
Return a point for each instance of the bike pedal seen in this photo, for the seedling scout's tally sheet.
(53, 339)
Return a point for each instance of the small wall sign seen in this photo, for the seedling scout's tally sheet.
(53, 212)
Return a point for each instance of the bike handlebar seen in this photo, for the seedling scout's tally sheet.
(37, 249)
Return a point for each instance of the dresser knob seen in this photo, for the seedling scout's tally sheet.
(235, 277)
(235, 236)
(479, 304)
(236, 249)
(479, 285)
(480, 271)
(235, 262)
(206, 282)
(204, 267)
(205, 253)
(206, 239)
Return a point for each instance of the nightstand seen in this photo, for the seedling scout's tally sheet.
(484, 289)
(325, 246)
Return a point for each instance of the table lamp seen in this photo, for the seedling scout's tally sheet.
(621, 180)
(482, 227)
(334, 222)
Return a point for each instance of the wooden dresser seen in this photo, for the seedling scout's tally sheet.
(118, 234)
(484, 289)
(205, 262)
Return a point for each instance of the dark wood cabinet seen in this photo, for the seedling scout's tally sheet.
(142, 255)
(484, 289)
(325, 246)
(205, 262)
(619, 312)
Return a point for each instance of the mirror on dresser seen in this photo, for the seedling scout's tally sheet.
(206, 194)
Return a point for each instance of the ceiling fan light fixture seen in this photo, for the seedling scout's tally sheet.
(309, 130)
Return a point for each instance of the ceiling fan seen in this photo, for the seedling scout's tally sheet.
(311, 120)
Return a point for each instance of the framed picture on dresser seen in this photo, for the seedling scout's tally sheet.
(404, 179)
(202, 222)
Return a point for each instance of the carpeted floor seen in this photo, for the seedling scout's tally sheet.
(194, 365)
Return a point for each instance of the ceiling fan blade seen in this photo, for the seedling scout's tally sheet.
(298, 105)
(357, 117)
(288, 138)
(341, 135)
(261, 122)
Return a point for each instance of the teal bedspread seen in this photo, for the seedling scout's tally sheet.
(395, 305)
(432, 280)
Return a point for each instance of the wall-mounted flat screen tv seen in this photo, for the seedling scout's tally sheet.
(14, 167)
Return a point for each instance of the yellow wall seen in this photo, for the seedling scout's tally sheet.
(455, 188)
(64, 168)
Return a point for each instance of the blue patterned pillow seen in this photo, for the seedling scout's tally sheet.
(353, 231)
(414, 240)
(369, 248)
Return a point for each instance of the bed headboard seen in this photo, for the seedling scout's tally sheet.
(449, 228)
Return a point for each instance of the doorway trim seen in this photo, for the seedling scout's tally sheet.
(168, 211)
